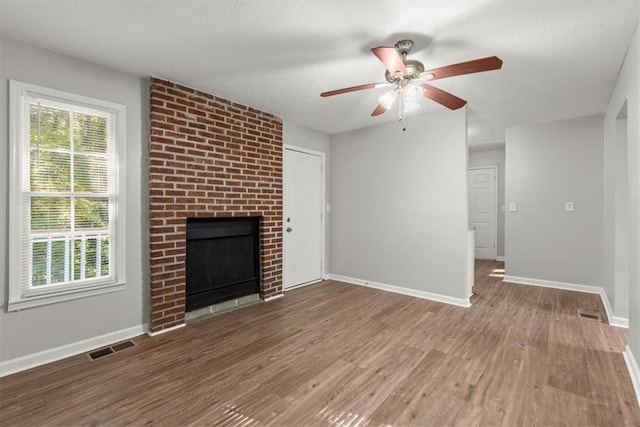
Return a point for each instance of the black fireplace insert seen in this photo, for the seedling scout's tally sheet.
(223, 260)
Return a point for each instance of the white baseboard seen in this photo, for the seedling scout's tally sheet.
(47, 356)
(613, 320)
(164, 331)
(500, 258)
(301, 285)
(273, 297)
(461, 302)
(621, 322)
(553, 284)
(634, 371)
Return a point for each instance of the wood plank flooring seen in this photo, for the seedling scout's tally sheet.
(340, 354)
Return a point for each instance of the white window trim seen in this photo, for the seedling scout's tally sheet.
(18, 299)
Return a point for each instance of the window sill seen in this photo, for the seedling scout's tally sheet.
(38, 301)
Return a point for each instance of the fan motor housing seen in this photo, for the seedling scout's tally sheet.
(414, 68)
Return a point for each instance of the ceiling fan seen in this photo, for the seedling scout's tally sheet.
(408, 78)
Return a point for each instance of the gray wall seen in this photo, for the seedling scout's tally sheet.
(627, 89)
(316, 141)
(547, 165)
(399, 204)
(42, 328)
(489, 158)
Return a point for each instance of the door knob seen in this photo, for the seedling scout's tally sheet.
(289, 229)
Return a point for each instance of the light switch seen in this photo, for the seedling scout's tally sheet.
(513, 207)
(568, 206)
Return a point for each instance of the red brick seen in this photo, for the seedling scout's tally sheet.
(196, 170)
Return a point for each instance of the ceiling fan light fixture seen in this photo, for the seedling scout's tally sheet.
(388, 98)
(408, 77)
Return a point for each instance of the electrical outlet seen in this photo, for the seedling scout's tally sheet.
(513, 207)
(568, 206)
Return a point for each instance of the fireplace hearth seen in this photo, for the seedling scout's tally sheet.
(223, 260)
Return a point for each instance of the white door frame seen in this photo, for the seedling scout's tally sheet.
(322, 210)
(496, 202)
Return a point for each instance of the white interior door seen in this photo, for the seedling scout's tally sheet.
(303, 217)
(483, 210)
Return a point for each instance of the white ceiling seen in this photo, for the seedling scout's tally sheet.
(561, 58)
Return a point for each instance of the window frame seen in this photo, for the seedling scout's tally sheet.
(23, 297)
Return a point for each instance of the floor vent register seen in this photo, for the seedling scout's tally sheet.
(587, 314)
(110, 350)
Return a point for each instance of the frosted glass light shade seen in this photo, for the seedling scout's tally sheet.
(411, 106)
(413, 93)
(388, 98)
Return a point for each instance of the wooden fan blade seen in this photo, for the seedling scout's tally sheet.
(469, 67)
(352, 89)
(380, 109)
(391, 60)
(445, 98)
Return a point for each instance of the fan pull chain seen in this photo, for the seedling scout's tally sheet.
(401, 110)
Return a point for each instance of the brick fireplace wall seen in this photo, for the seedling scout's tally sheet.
(208, 157)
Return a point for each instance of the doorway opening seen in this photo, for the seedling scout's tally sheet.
(621, 216)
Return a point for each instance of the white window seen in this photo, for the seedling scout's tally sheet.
(66, 210)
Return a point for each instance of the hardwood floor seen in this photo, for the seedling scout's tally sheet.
(339, 354)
